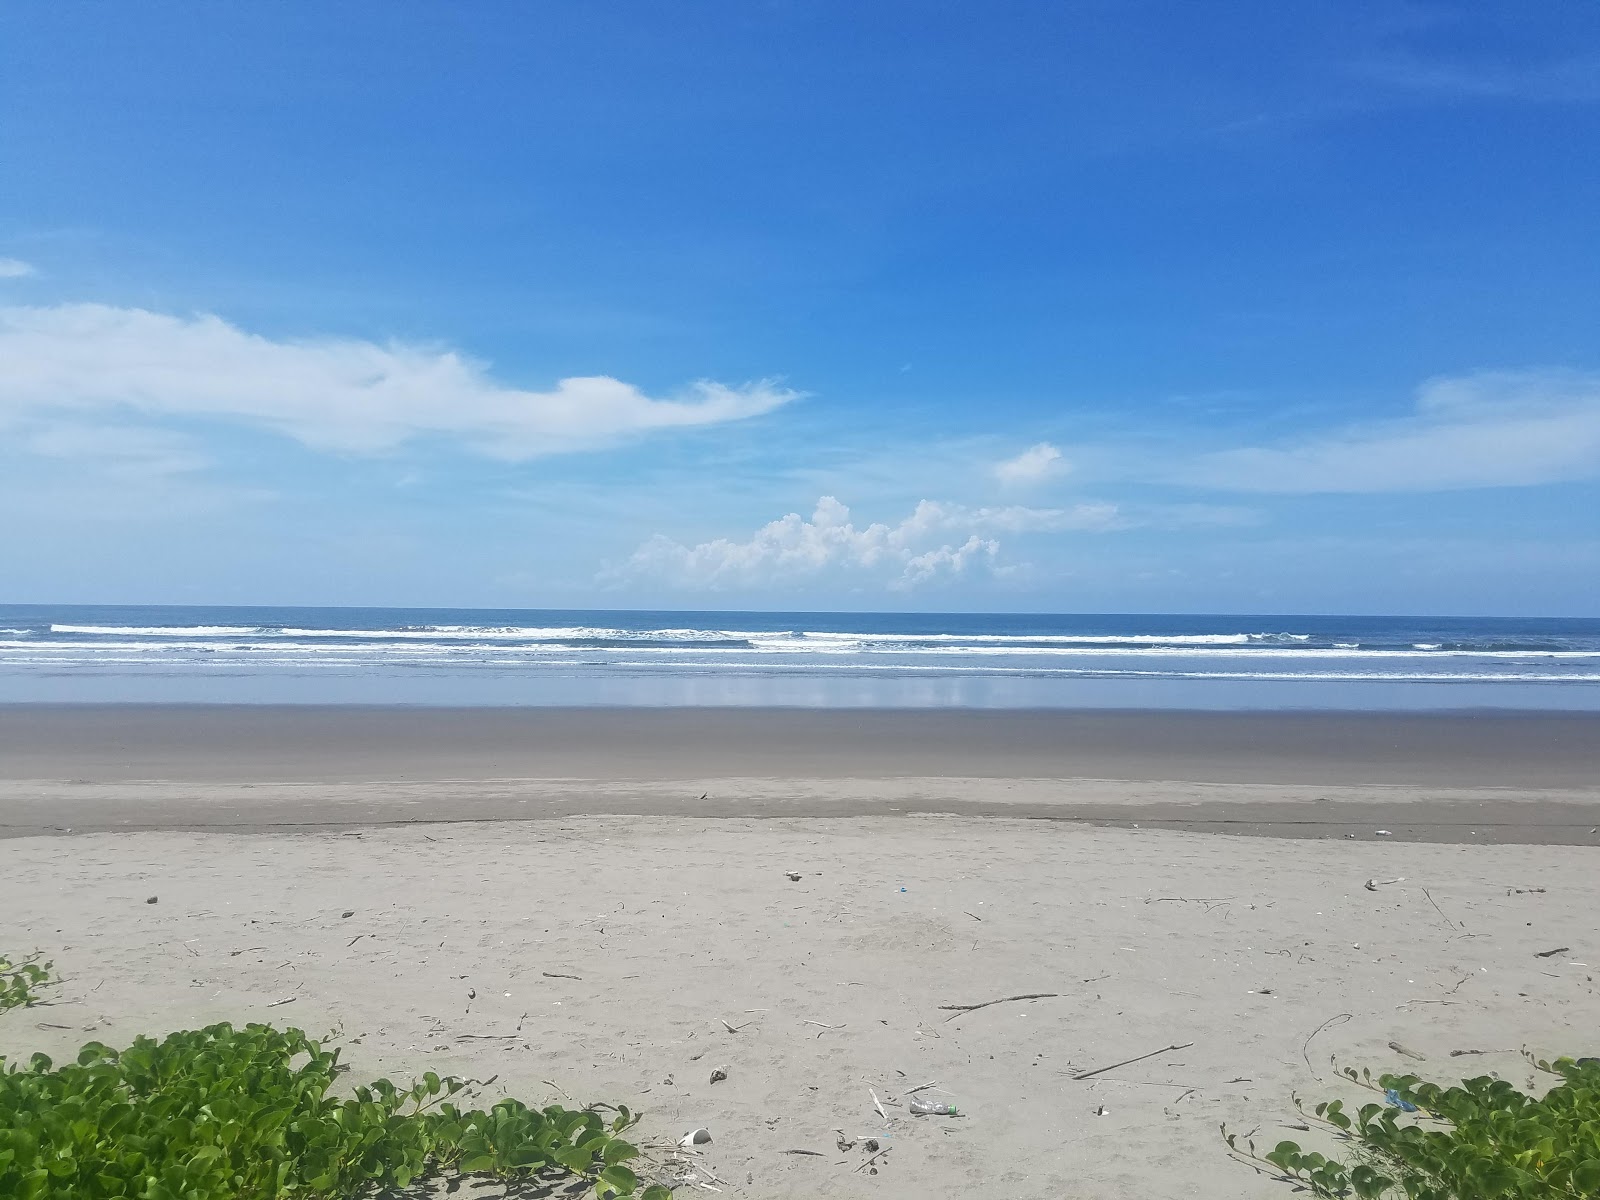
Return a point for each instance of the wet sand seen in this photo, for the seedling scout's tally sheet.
(1448, 777)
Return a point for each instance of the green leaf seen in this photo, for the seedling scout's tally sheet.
(620, 1178)
(617, 1151)
(574, 1159)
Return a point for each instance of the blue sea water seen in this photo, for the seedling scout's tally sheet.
(596, 657)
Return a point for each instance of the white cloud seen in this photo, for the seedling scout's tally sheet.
(117, 452)
(15, 268)
(1490, 429)
(338, 394)
(915, 550)
(1034, 465)
(1563, 80)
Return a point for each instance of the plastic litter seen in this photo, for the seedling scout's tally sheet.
(934, 1108)
(695, 1137)
(1393, 1097)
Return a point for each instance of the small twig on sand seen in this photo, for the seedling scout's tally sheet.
(1305, 1049)
(487, 1037)
(1440, 911)
(818, 1024)
(812, 1153)
(285, 1000)
(974, 916)
(558, 975)
(1552, 953)
(1190, 899)
(873, 1159)
(1128, 1061)
(732, 1028)
(921, 1087)
(960, 1009)
(1409, 1053)
(877, 1104)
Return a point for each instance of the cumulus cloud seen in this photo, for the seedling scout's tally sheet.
(15, 268)
(937, 540)
(1489, 429)
(336, 394)
(1034, 465)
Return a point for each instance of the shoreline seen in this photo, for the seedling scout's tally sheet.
(104, 743)
(1469, 779)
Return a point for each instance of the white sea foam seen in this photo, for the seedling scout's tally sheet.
(247, 641)
(605, 633)
(159, 630)
(407, 633)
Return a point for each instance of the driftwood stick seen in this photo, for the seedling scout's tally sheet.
(873, 1159)
(1129, 1061)
(966, 1008)
(1305, 1050)
(1440, 911)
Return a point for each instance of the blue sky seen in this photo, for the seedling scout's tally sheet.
(1035, 306)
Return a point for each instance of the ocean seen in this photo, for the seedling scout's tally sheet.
(890, 660)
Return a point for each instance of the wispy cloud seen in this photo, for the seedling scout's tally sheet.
(336, 394)
(1562, 80)
(15, 268)
(1036, 464)
(937, 540)
(1489, 429)
(118, 452)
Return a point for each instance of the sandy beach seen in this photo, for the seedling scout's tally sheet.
(584, 903)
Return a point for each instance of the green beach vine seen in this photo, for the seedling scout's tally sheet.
(245, 1114)
(1481, 1140)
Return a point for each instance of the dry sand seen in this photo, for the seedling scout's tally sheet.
(673, 925)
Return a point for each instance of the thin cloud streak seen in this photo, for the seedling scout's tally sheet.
(1488, 429)
(332, 394)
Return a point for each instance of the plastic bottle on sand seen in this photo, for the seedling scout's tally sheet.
(933, 1108)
